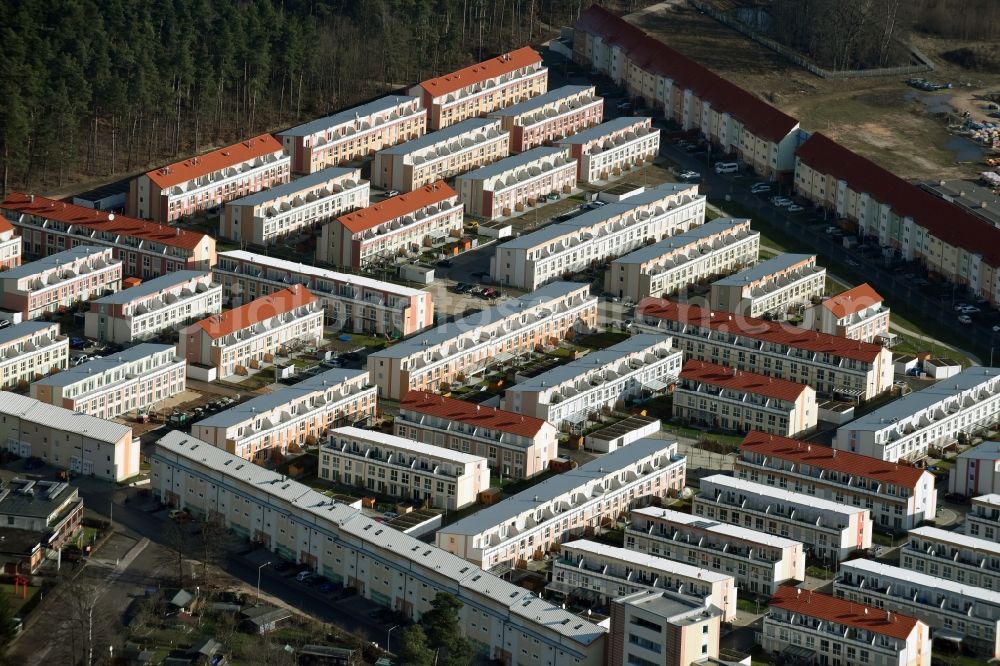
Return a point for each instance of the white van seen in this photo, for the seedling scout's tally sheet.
(726, 167)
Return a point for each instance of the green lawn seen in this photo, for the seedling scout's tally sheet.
(819, 572)
(748, 606)
(732, 441)
(16, 602)
(601, 340)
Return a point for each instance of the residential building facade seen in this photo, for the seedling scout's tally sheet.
(738, 401)
(515, 446)
(148, 309)
(60, 281)
(858, 314)
(402, 225)
(719, 247)
(952, 556)
(599, 382)
(775, 287)
(598, 236)
(480, 89)
(832, 531)
(899, 497)
(254, 331)
(833, 366)
(976, 471)
(525, 526)
(10, 246)
(551, 116)
(656, 627)
(606, 150)
(926, 421)
(430, 475)
(758, 562)
(983, 518)
(30, 350)
(440, 155)
(514, 184)
(296, 207)
(455, 352)
(206, 182)
(131, 381)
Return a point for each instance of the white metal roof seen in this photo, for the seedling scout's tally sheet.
(898, 574)
(958, 539)
(723, 529)
(646, 560)
(412, 445)
(51, 416)
(801, 499)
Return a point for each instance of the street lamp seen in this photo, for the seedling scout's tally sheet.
(388, 635)
(258, 580)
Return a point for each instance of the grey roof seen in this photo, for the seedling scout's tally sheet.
(650, 195)
(320, 124)
(29, 409)
(45, 498)
(985, 451)
(557, 485)
(265, 403)
(978, 200)
(291, 187)
(441, 135)
(98, 365)
(54, 261)
(597, 131)
(885, 417)
(695, 235)
(594, 359)
(512, 162)
(23, 330)
(508, 308)
(261, 615)
(676, 607)
(918, 579)
(154, 286)
(764, 269)
(541, 100)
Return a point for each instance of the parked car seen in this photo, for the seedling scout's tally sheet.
(996, 329)
(302, 576)
(4, 323)
(624, 106)
(781, 202)
(80, 360)
(444, 263)
(77, 343)
(553, 196)
(795, 208)
(689, 176)
(458, 288)
(391, 193)
(180, 516)
(760, 188)
(964, 319)
(959, 306)
(851, 262)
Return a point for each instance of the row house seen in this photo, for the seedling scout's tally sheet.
(441, 155)
(515, 446)
(612, 572)
(292, 418)
(554, 115)
(63, 438)
(955, 611)
(983, 518)
(839, 632)
(563, 507)
(253, 333)
(953, 556)
(514, 184)
(609, 149)
(603, 380)
(146, 249)
(833, 366)
(833, 531)
(53, 508)
(773, 288)
(30, 350)
(203, 184)
(906, 219)
(899, 497)
(976, 470)
(758, 562)
(156, 306)
(724, 398)
(296, 207)
(719, 247)
(658, 627)
(10, 246)
(428, 475)
(453, 353)
(927, 421)
(113, 386)
(598, 236)
(403, 225)
(859, 313)
(354, 134)
(480, 89)
(390, 568)
(60, 282)
(736, 120)
(352, 303)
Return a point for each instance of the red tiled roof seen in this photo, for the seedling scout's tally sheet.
(471, 413)
(256, 311)
(185, 170)
(948, 222)
(841, 611)
(825, 457)
(852, 300)
(654, 56)
(759, 329)
(488, 69)
(5, 225)
(397, 206)
(101, 221)
(740, 380)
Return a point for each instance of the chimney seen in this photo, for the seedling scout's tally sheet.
(31, 198)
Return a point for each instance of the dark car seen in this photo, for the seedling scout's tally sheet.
(444, 263)
(33, 463)
(351, 356)
(77, 343)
